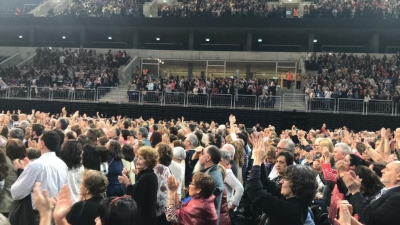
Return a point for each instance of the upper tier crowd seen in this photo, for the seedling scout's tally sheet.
(78, 169)
(235, 8)
(350, 76)
(66, 68)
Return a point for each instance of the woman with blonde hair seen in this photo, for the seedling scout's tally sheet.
(238, 158)
(325, 142)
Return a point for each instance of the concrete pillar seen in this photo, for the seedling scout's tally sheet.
(248, 71)
(374, 42)
(82, 38)
(191, 39)
(32, 37)
(135, 38)
(249, 41)
(311, 41)
(190, 70)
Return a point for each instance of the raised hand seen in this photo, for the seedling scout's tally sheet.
(63, 205)
(352, 181)
(42, 200)
(172, 183)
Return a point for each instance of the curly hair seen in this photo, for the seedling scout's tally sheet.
(3, 166)
(303, 182)
(155, 138)
(149, 155)
(71, 154)
(95, 181)
(165, 154)
(239, 153)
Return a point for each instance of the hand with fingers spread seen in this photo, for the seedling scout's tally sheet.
(352, 181)
(42, 201)
(63, 205)
(344, 216)
(259, 150)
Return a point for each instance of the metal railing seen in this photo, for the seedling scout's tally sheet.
(321, 104)
(66, 94)
(197, 99)
(151, 97)
(84, 95)
(220, 100)
(245, 101)
(294, 102)
(279, 103)
(107, 94)
(350, 105)
(174, 98)
(270, 102)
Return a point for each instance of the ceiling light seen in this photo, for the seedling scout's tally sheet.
(207, 39)
(20, 36)
(109, 38)
(63, 37)
(157, 39)
(315, 40)
(260, 40)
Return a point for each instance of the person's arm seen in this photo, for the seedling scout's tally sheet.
(235, 184)
(24, 184)
(329, 173)
(375, 155)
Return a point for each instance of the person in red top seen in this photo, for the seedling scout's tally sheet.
(289, 78)
(200, 209)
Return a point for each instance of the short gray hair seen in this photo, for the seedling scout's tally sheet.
(17, 133)
(230, 148)
(289, 145)
(194, 141)
(24, 124)
(179, 153)
(144, 132)
(344, 148)
(225, 155)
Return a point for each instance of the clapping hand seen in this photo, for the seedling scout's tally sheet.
(63, 205)
(352, 181)
(42, 200)
(260, 152)
(172, 183)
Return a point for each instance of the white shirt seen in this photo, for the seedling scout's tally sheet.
(48, 169)
(234, 189)
(74, 182)
(178, 170)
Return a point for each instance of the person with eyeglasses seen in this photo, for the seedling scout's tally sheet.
(199, 210)
(298, 190)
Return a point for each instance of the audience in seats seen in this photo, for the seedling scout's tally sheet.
(104, 175)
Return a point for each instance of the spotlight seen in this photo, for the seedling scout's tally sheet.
(207, 39)
(109, 38)
(158, 39)
(63, 37)
(20, 37)
(260, 40)
(315, 40)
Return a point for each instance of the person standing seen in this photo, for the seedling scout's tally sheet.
(48, 169)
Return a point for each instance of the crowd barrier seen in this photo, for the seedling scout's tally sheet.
(287, 102)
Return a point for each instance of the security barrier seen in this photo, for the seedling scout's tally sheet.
(287, 102)
(245, 101)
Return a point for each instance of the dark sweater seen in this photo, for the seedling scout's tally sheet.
(84, 212)
(144, 192)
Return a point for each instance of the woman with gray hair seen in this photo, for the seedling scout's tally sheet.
(177, 168)
(234, 189)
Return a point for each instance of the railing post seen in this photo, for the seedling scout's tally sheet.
(29, 93)
(231, 102)
(283, 102)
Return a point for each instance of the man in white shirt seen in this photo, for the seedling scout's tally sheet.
(49, 170)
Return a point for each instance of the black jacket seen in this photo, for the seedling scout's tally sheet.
(144, 192)
(291, 211)
(382, 210)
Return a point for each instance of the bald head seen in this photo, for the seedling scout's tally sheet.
(391, 174)
(229, 148)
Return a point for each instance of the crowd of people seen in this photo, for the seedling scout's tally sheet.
(66, 69)
(108, 8)
(355, 77)
(353, 9)
(145, 81)
(95, 170)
